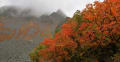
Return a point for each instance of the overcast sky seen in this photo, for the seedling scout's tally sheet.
(67, 6)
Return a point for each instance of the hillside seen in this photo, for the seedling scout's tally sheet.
(15, 19)
(20, 31)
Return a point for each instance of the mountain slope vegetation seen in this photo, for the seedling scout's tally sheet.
(18, 23)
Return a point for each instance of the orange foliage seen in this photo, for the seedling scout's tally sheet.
(100, 27)
(23, 32)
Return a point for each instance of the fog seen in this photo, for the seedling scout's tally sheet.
(48, 6)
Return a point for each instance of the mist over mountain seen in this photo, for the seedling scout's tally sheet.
(16, 11)
(27, 13)
(16, 18)
(48, 6)
(12, 11)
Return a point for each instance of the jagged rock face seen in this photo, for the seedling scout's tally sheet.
(21, 24)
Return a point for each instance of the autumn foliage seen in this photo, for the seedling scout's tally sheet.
(92, 35)
(8, 34)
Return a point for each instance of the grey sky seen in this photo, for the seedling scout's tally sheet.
(43, 6)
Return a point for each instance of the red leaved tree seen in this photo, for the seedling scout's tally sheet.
(92, 35)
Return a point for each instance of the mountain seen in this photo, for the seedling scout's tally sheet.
(20, 31)
(21, 21)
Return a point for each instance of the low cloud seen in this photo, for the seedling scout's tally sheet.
(49, 6)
